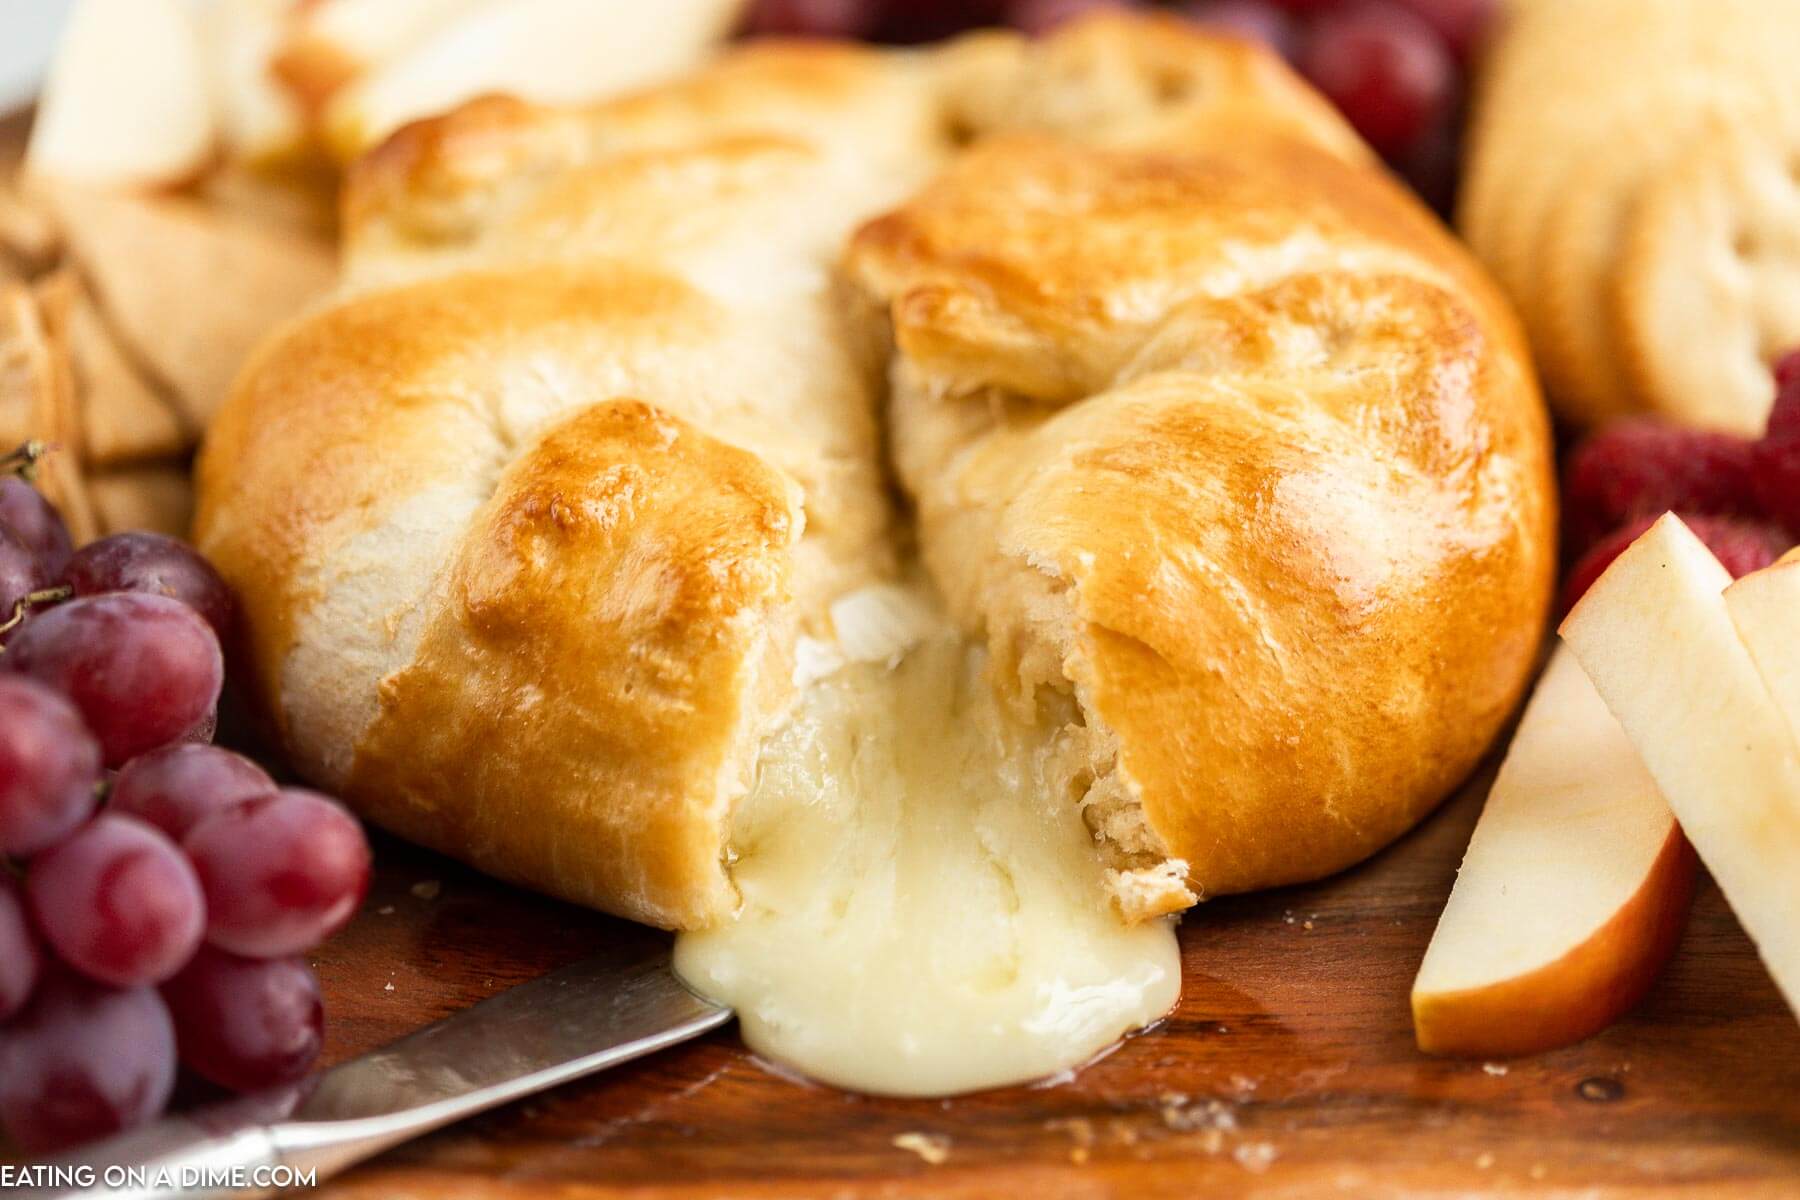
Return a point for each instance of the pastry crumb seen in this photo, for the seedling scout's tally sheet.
(1493, 1068)
(1080, 1129)
(1255, 1157)
(427, 889)
(934, 1148)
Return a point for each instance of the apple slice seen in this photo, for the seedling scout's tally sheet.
(1765, 607)
(128, 100)
(557, 51)
(1572, 895)
(1656, 638)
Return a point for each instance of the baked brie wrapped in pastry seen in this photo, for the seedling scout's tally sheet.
(568, 539)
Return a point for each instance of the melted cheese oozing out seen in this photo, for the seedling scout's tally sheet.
(924, 911)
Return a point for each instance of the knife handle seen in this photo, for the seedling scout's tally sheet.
(201, 1165)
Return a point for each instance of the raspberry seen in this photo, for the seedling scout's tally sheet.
(1775, 465)
(1741, 546)
(1784, 418)
(1775, 478)
(1644, 468)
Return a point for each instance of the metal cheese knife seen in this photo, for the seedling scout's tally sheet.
(599, 1013)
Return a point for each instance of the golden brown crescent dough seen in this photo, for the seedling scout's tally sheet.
(1204, 421)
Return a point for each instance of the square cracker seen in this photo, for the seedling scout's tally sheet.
(189, 290)
(123, 418)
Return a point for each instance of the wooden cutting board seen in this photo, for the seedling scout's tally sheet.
(1288, 1070)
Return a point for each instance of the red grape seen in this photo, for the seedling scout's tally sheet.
(176, 786)
(143, 670)
(1385, 68)
(281, 872)
(1433, 163)
(156, 565)
(909, 21)
(1041, 16)
(1254, 19)
(1461, 23)
(204, 730)
(19, 960)
(21, 573)
(246, 1023)
(118, 902)
(49, 767)
(813, 18)
(84, 1061)
(24, 510)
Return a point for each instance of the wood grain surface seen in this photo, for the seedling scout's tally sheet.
(1287, 1070)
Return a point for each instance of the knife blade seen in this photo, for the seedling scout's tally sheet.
(600, 1012)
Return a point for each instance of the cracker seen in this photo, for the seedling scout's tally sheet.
(29, 239)
(1548, 93)
(1581, 245)
(1708, 290)
(123, 418)
(37, 401)
(189, 290)
(1585, 101)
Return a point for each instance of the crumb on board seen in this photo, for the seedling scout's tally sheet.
(1493, 1068)
(427, 889)
(386, 910)
(1080, 1130)
(1184, 1117)
(934, 1148)
(388, 986)
(1255, 1157)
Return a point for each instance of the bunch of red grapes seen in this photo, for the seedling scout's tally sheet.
(156, 892)
(1395, 67)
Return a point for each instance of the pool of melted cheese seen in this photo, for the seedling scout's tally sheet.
(924, 912)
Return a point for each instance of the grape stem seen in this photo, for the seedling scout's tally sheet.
(23, 461)
(31, 600)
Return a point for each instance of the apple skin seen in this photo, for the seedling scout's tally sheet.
(1656, 638)
(1580, 993)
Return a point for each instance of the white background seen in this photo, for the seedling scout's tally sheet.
(27, 33)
